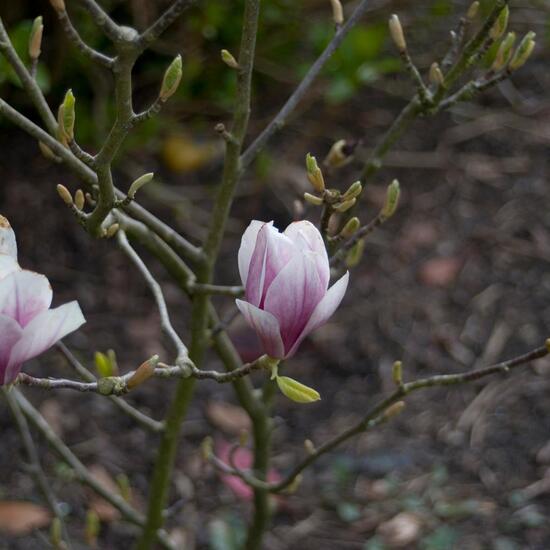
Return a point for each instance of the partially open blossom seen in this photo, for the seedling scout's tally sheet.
(286, 278)
(27, 326)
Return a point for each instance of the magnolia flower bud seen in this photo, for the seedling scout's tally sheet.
(79, 199)
(353, 191)
(396, 31)
(66, 115)
(296, 391)
(472, 10)
(65, 194)
(171, 80)
(523, 51)
(58, 5)
(350, 228)
(314, 174)
(499, 26)
(139, 183)
(504, 52)
(345, 205)
(229, 60)
(143, 373)
(35, 39)
(337, 12)
(313, 199)
(340, 154)
(392, 200)
(436, 76)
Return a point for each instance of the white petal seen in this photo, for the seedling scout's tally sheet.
(23, 295)
(324, 310)
(265, 326)
(307, 237)
(10, 333)
(248, 243)
(44, 331)
(8, 264)
(8, 244)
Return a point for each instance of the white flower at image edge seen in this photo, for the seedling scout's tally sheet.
(28, 326)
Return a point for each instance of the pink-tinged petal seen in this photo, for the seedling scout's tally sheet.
(8, 264)
(8, 245)
(265, 326)
(307, 237)
(293, 296)
(248, 243)
(23, 295)
(10, 333)
(45, 330)
(324, 310)
(272, 252)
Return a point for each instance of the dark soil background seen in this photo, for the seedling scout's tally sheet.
(459, 278)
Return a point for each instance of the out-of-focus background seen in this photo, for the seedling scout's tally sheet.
(459, 278)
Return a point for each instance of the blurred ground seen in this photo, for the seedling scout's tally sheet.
(457, 279)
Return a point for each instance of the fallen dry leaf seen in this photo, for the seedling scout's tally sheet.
(19, 518)
(228, 418)
(401, 530)
(440, 271)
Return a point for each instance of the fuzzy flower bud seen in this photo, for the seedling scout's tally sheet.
(139, 183)
(229, 60)
(79, 199)
(504, 52)
(523, 51)
(350, 228)
(436, 76)
(143, 373)
(65, 194)
(35, 39)
(171, 80)
(345, 205)
(499, 27)
(396, 31)
(353, 191)
(313, 199)
(314, 174)
(337, 12)
(392, 200)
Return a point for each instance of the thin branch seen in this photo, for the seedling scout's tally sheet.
(35, 466)
(163, 22)
(77, 40)
(126, 408)
(282, 116)
(220, 290)
(102, 20)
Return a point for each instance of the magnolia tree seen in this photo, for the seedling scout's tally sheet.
(286, 290)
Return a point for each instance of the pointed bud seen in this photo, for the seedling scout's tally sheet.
(504, 52)
(397, 373)
(103, 365)
(65, 194)
(393, 410)
(314, 174)
(436, 76)
(171, 80)
(46, 151)
(340, 154)
(139, 183)
(392, 200)
(337, 12)
(112, 230)
(354, 190)
(309, 447)
(313, 199)
(396, 31)
(356, 253)
(228, 59)
(66, 115)
(524, 50)
(35, 39)
(295, 391)
(350, 228)
(345, 205)
(79, 199)
(58, 5)
(472, 10)
(143, 372)
(499, 26)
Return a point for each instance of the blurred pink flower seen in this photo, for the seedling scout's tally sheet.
(286, 278)
(242, 460)
(27, 326)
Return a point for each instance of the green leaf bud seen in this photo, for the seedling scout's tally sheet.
(314, 174)
(523, 51)
(171, 80)
(296, 391)
(35, 39)
(392, 200)
(396, 32)
(229, 60)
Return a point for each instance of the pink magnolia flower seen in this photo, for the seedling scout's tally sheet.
(286, 278)
(27, 326)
